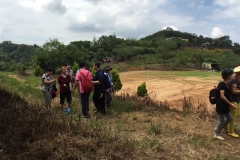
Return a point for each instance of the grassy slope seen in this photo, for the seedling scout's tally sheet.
(155, 133)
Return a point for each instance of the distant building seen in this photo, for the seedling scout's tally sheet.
(211, 66)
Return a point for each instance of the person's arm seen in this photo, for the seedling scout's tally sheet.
(95, 82)
(234, 89)
(225, 99)
(70, 82)
(48, 81)
(76, 82)
(96, 79)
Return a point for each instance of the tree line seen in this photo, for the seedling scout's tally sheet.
(166, 46)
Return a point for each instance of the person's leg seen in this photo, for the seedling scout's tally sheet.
(102, 103)
(85, 103)
(96, 101)
(234, 116)
(228, 119)
(220, 124)
(47, 100)
(69, 98)
(62, 98)
(108, 99)
(238, 110)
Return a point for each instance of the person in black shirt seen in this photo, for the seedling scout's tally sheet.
(223, 104)
(99, 89)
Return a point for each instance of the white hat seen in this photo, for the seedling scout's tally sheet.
(236, 69)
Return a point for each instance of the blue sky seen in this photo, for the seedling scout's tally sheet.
(35, 21)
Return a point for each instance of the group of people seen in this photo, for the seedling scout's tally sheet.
(228, 104)
(85, 82)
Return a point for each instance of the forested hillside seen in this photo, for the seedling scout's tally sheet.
(16, 55)
(166, 46)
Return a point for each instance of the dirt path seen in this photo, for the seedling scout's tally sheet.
(165, 87)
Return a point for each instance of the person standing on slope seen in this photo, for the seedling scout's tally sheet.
(99, 89)
(109, 89)
(46, 86)
(64, 81)
(223, 104)
(234, 84)
(83, 83)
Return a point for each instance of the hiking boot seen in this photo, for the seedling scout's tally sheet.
(233, 135)
(218, 137)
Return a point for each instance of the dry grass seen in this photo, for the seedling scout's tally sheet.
(134, 128)
(32, 132)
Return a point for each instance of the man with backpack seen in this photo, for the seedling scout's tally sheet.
(99, 89)
(83, 83)
(223, 104)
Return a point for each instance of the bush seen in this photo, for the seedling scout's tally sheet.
(75, 68)
(142, 90)
(38, 71)
(116, 80)
(23, 68)
(12, 68)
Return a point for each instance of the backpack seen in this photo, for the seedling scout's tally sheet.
(87, 85)
(54, 91)
(106, 81)
(214, 95)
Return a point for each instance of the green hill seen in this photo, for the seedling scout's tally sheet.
(163, 47)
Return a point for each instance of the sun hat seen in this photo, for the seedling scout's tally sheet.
(236, 69)
(108, 68)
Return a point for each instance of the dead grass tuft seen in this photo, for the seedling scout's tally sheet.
(33, 132)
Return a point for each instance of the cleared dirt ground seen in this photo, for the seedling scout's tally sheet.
(171, 86)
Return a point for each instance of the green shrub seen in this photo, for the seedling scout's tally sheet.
(116, 80)
(38, 71)
(12, 68)
(142, 90)
(23, 68)
(75, 67)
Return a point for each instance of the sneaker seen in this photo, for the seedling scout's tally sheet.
(84, 116)
(67, 111)
(215, 129)
(233, 135)
(218, 137)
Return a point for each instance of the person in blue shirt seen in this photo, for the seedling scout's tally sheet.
(109, 90)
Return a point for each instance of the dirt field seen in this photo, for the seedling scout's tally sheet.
(172, 86)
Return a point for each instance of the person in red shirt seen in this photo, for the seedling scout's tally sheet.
(80, 80)
(65, 86)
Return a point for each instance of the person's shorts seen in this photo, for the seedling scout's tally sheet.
(64, 95)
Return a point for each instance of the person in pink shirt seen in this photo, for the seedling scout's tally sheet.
(80, 80)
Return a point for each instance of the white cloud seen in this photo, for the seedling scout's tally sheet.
(35, 5)
(216, 32)
(35, 21)
(225, 3)
(229, 9)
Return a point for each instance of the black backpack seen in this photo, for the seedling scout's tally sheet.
(106, 82)
(214, 95)
(54, 91)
